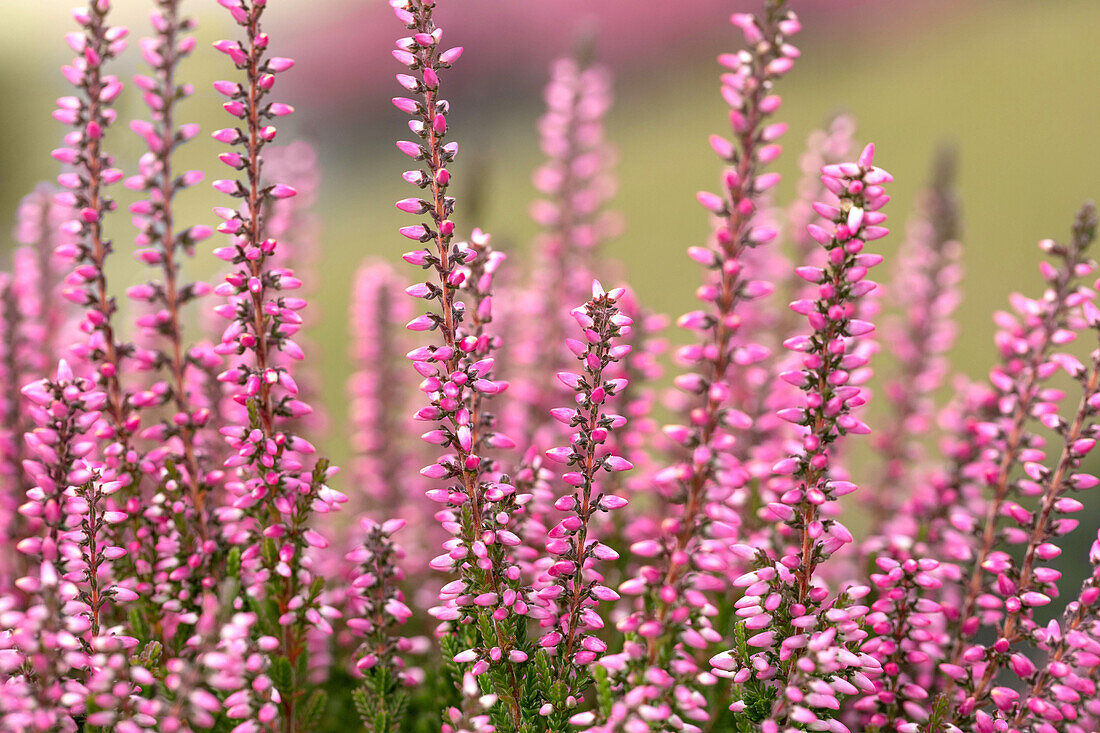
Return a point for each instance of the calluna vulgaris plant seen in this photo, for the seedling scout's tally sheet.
(174, 558)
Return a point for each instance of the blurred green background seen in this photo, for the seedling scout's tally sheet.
(1011, 82)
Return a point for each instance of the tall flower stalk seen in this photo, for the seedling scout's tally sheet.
(92, 171)
(379, 609)
(926, 288)
(382, 458)
(829, 401)
(274, 496)
(791, 635)
(56, 638)
(1028, 347)
(572, 587)
(575, 184)
(1008, 603)
(41, 230)
(1030, 585)
(747, 87)
(488, 601)
(688, 562)
(162, 245)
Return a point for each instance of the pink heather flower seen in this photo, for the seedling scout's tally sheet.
(458, 373)
(57, 654)
(826, 412)
(1002, 593)
(38, 269)
(759, 390)
(575, 183)
(383, 436)
(239, 674)
(572, 587)
(64, 411)
(375, 609)
(473, 715)
(185, 435)
(273, 496)
(92, 171)
(693, 563)
(379, 387)
(926, 279)
(640, 354)
(1029, 342)
(821, 630)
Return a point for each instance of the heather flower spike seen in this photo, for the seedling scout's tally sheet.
(378, 610)
(90, 114)
(827, 411)
(792, 634)
(483, 609)
(572, 587)
(65, 655)
(383, 461)
(273, 496)
(1000, 591)
(575, 184)
(686, 565)
(161, 245)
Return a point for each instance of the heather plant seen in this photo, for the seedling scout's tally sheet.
(179, 559)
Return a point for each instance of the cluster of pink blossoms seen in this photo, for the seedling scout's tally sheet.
(177, 561)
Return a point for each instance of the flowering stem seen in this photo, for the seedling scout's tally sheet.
(926, 278)
(1025, 394)
(171, 45)
(379, 699)
(378, 308)
(458, 405)
(829, 357)
(1071, 457)
(751, 102)
(440, 210)
(98, 44)
(276, 497)
(602, 322)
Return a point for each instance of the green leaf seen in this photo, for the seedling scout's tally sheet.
(301, 671)
(309, 714)
(233, 563)
(280, 674)
(603, 690)
(138, 627)
(269, 552)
